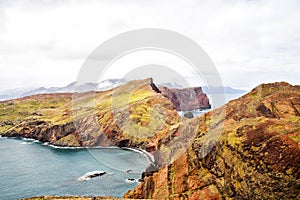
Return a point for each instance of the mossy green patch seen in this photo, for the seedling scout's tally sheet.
(15, 111)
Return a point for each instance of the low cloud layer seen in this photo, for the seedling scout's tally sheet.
(44, 43)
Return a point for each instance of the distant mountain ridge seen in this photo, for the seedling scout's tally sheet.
(75, 87)
(103, 85)
(72, 87)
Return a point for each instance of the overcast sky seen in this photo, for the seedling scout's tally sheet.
(44, 43)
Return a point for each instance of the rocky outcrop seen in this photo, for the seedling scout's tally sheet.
(90, 175)
(188, 114)
(187, 98)
(247, 149)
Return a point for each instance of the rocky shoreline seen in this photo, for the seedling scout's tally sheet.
(247, 149)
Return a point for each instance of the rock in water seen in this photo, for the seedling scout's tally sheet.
(90, 175)
(130, 180)
(255, 156)
(188, 115)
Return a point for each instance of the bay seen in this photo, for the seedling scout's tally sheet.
(28, 168)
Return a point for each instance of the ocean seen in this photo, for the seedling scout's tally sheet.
(29, 168)
(216, 101)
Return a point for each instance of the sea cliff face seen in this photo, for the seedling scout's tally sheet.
(187, 98)
(247, 149)
(255, 156)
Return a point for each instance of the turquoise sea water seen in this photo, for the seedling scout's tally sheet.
(28, 168)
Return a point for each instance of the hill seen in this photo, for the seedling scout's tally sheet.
(246, 149)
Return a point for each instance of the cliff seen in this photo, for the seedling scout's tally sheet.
(247, 149)
(93, 118)
(187, 98)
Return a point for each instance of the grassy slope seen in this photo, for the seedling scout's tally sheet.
(46, 116)
(13, 112)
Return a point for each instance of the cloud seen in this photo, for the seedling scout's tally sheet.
(47, 41)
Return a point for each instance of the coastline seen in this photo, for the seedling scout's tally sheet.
(247, 146)
(149, 156)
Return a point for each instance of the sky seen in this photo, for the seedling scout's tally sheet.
(45, 43)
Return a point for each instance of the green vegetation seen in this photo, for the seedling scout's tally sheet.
(44, 107)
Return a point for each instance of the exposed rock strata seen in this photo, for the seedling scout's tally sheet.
(187, 98)
(247, 149)
(256, 156)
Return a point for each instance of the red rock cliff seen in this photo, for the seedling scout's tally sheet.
(187, 98)
(247, 149)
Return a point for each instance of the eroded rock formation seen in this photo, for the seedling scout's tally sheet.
(251, 152)
(187, 98)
